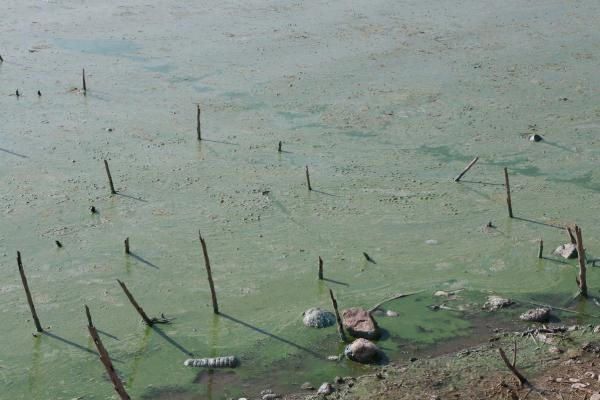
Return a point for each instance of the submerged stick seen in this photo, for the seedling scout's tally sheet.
(279, 147)
(308, 179)
(1, 59)
(36, 320)
(213, 293)
(508, 200)
(110, 181)
(541, 249)
(126, 242)
(83, 77)
(105, 359)
(511, 367)
(135, 304)
(581, 280)
(466, 169)
(320, 268)
(397, 296)
(340, 326)
(198, 127)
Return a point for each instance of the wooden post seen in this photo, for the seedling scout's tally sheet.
(126, 246)
(137, 307)
(36, 320)
(541, 249)
(308, 179)
(279, 147)
(198, 127)
(512, 367)
(337, 317)
(466, 169)
(209, 273)
(320, 268)
(105, 359)
(581, 280)
(508, 201)
(88, 315)
(83, 77)
(110, 181)
(1, 59)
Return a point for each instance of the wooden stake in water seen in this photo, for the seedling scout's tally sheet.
(198, 127)
(581, 280)
(308, 179)
(279, 147)
(209, 273)
(105, 359)
(541, 249)
(127, 246)
(571, 237)
(110, 181)
(466, 169)
(320, 268)
(83, 77)
(36, 320)
(337, 317)
(135, 304)
(508, 200)
(88, 316)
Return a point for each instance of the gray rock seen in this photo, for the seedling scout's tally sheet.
(270, 396)
(567, 250)
(325, 389)
(363, 351)
(318, 318)
(535, 138)
(536, 315)
(390, 313)
(307, 386)
(493, 303)
(359, 323)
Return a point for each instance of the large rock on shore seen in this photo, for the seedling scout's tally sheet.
(318, 318)
(537, 315)
(359, 323)
(362, 351)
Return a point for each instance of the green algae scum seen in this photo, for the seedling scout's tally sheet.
(384, 101)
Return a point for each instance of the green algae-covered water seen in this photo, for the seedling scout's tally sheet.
(385, 102)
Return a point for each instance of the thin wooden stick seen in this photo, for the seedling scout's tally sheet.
(36, 320)
(394, 297)
(198, 126)
(135, 304)
(105, 359)
(541, 249)
(110, 181)
(308, 179)
(466, 169)
(213, 293)
(508, 200)
(514, 362)
(126, 242)
(582, 281)
(1, 59)
(512, 368)
(83, 77)
(340, 326)
(571, 236)
(320, 268)
(279, 147)
(88, 315)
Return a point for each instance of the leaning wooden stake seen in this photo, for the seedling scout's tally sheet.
(83, 77)
(466, 169)
(105, 359)
(541, 249)
(198, 127)
(320, 268)
(508, 201)
(36, 320)
(110, 181)
(571, 236)
(135, 304)
(126, 242)
(340, 326)
(581, 280)
(279, 147)
(308, 179)
(88, 315)
(209, 273)
(512, 367)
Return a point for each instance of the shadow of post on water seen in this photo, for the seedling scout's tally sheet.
(143, 260)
